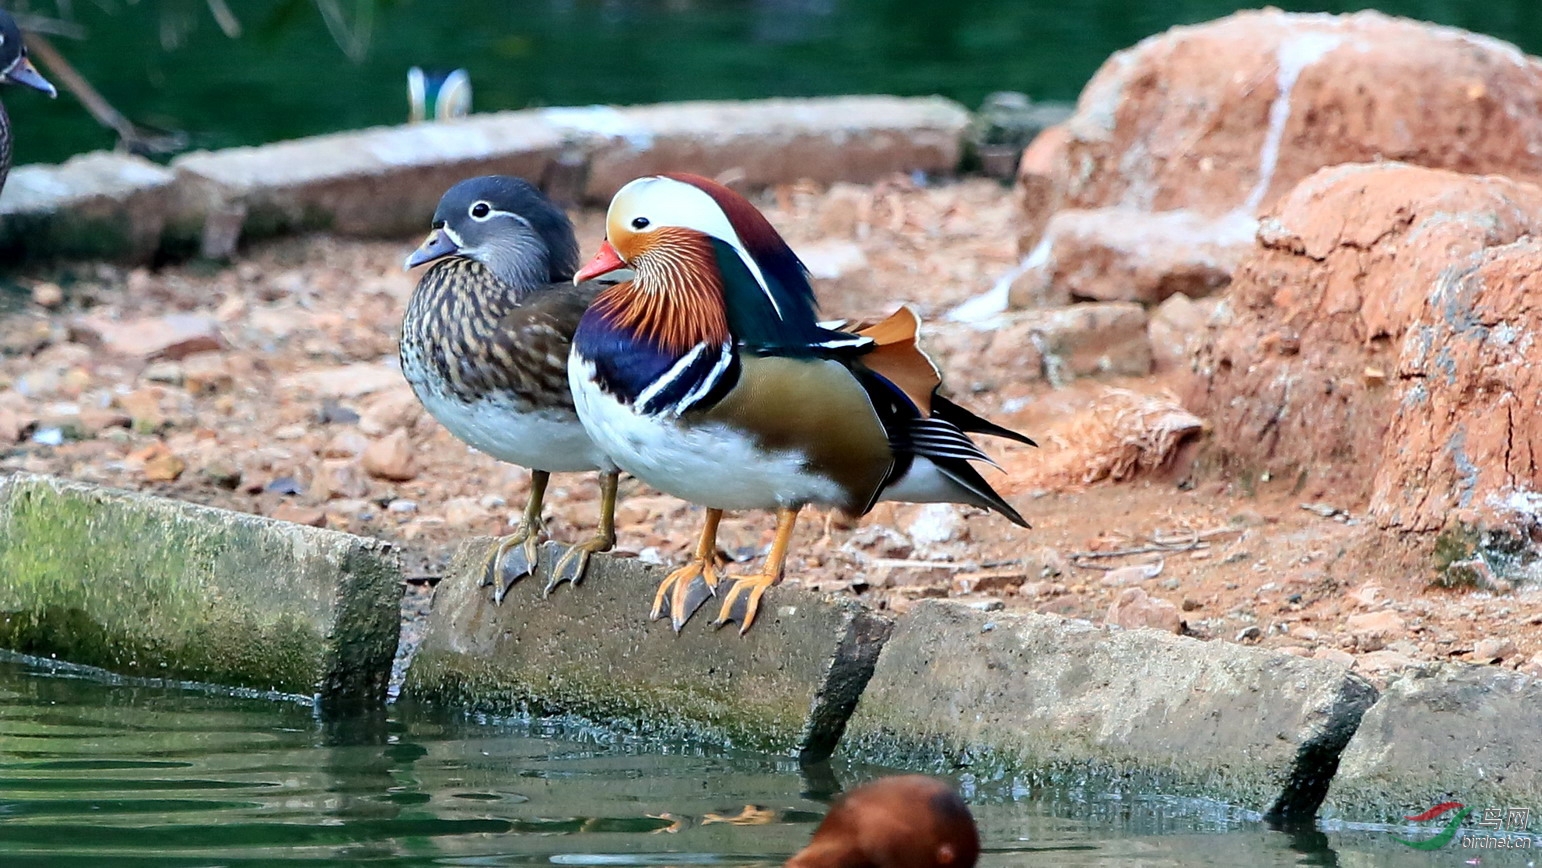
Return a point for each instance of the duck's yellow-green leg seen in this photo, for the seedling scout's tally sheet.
(743, 599)
(576, 559)
(514, 556)
(691, 585)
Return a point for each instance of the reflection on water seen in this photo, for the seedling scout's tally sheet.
(294, 71)
(97, 772)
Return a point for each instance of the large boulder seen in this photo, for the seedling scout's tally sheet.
(1196, 130)
(1297, 376)
(1465, 441)
(1233, 113)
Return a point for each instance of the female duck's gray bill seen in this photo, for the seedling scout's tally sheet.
(22, 72)
(437, 245)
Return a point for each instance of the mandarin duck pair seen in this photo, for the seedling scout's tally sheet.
(705, 373)
(15, 68)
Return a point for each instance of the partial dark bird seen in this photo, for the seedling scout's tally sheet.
(15, 68)
(485, 346)
(911, 821)
(709, 377)
(437, 95)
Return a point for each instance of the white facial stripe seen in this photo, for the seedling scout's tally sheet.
(667, 202)
(519, 217)
(452, 235)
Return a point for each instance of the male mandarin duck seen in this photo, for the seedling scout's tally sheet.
(15, 68)
(911, 821)
(708, 376)
(485, 347)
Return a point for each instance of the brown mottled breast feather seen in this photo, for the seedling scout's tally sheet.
(816, 407)
(475, 337)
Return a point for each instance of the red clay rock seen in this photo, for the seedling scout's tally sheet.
(1134, 608)
(1126, 254)
(1173, 327)
(1035, 188)
(1293, 378)
(1466, 439)
(174, 336)
(347, 381)
(1057, 344)
(1373, 630)
(391, 457)
(1233, 113)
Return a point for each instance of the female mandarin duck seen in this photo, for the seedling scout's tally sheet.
(485, 347)
(15, 68)
(708, 377)
(911, 821)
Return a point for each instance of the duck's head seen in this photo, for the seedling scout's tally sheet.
(677, 227)
(437, 95)
(506, 224)
(15, 68)
(911, 821)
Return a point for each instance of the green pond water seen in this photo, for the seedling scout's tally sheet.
(96, 771)
(294, 70)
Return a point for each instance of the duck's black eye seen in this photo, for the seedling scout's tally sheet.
(640, 223)
(480, 210)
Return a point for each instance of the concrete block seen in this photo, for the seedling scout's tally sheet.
(1069, 703)
(590, 651)
(141, 585)
(376, 182)
(1444, 732)
(765, 142)
(95, 206)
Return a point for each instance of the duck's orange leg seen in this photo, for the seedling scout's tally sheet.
(691, 585)
(743, 600)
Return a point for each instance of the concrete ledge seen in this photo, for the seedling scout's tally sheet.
(1069, 703)
(386, 181)
(590, 651)
(382, 181)
(1445, 732)
(142, 585)
(766, 142)
(95, 206)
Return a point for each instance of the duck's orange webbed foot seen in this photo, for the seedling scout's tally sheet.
(742, 601)
(749, 815)
(693, 584)
(685, 589)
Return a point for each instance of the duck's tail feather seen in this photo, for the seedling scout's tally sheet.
(944, 409)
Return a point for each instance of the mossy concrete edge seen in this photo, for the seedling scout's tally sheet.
(1444, 732)
(1058, 701)
(591, 652)
(146, 586)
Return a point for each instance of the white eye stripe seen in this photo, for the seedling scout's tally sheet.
(494, 212)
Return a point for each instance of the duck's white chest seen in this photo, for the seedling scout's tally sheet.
(709, 464)
(540, 439)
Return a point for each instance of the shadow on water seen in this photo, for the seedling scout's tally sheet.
(295, 71)
(97, 770)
